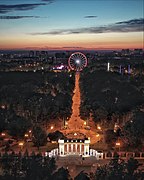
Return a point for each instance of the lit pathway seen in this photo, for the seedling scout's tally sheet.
(75, 123)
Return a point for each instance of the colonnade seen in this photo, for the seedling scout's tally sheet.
(74, 147)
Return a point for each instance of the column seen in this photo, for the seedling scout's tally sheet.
(67, 148)
(72, 148)
(76, 148)
(60, 150)
(61, 146)
(86, 149)
(80, 149)
(63, 149)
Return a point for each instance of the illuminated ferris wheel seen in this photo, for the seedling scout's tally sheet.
(77, 61)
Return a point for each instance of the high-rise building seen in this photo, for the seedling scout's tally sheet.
(31, 54)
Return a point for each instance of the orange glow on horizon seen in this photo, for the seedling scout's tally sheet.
(81, 41)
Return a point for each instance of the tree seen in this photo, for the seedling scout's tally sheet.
(55, 136)
(133, 130)
(118, 169)
(110, 137)
(132, 165)
(82, 176)
(61, 174)
(39, 137)
(18, 126)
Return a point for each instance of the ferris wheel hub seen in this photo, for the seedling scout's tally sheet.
(77, 61)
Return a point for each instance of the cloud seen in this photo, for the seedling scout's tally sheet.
(132, 22)
(134, 25)
(18, 17)
(49, 1)
(90, 17)
(18, 7)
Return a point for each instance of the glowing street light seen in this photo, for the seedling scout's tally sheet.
(85, 123)
(51, 127)
(98, 127)
(118, 144)
(3, 134)
(30, 131)
(3, 106)
(97, 135)
(26, 135)
(21, 145)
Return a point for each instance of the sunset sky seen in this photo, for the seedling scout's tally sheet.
(71, 24)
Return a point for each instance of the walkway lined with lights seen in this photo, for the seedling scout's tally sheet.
(75, 121)
(76, 126)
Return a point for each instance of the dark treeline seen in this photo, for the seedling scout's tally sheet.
(111, 97)
(36, 167)
(30, 167)
(106, 93)
(34, 97)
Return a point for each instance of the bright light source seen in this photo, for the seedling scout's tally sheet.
(30, 131)
(98, 127)
(26, 135)
(75, 134)
(66, 123)
(77, 61)
(3, 134)
(85, 123)
(97, 135)
(21, 144)
(51, 127)
(3, 106)
(118, 144)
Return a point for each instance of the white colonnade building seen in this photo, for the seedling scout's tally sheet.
(74, 147)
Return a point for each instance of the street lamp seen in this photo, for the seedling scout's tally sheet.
(98, 127)
(3, 134)
(85, 123)
(21, 145)
(30, 131)
(3, 106)
(26, 135)
(118, 144)
(51, 127)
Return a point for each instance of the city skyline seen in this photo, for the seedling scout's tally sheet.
(61, 24)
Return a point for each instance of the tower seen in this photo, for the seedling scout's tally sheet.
(108, 66)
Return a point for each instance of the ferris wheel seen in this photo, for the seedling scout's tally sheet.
(77, 61)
